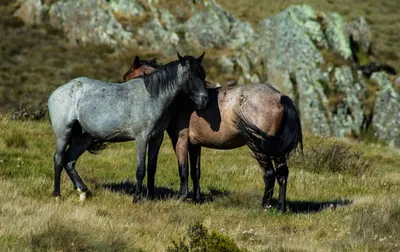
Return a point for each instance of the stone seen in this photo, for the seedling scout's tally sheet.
(31, 12)
(348, 117)
(386, 117)
(88, 22)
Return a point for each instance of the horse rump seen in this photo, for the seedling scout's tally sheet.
(289, 137)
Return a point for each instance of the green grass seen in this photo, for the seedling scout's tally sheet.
(328, 209)
(343, 196)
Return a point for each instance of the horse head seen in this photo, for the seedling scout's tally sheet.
(139, 68)
(193, 75)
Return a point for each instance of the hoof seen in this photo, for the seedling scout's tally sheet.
(57, 198)
(83, 196)
(137, 199)
(267, 207)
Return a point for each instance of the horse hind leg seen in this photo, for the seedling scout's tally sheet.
(282, 174)
(154, 149)
(269, 182)
(79, 143)
(61, 145)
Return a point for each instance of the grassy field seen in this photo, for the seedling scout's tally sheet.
(343, 196)
(353, 206)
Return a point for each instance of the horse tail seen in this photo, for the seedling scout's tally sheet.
(96, 146)
(289, 137)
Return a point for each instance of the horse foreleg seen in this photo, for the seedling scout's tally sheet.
(181, 151)
(141, 144)
(154, 148)
(194, 153)
(269, 181)
(282, 174)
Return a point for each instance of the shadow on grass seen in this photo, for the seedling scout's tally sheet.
(315, 206)
(161, 193)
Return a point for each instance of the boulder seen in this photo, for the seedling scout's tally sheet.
(31, 12)
(386, 117)
(348, 115)
(88, 22)
(126, 9)
(359, 31)
(312, 101)
(216, 28)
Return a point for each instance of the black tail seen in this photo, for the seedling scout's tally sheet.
(96, 147)
(289, 137)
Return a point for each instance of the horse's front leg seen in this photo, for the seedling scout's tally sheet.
(181, 151)
(194, 153)
(154, 148)
(141, 144)
(282, 174)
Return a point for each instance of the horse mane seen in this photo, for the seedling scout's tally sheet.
(154, 63)
(162, 78)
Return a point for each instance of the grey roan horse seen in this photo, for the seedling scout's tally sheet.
(86, 113)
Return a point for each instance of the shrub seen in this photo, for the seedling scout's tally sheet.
(203, 241)
(322, 154)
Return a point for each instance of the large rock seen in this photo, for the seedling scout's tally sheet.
(126, 9)
(157, 37)
(88, 22)
(348, 117)
(312, 101)
(216, 28)
(360, 33)
(386, 118)
(31, 12)
(336, 34)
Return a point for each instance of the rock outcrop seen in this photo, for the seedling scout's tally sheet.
(315, 57)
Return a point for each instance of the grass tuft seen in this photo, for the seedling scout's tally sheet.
(15, 139)
(324, 155)
(61, 237)
(200, 239)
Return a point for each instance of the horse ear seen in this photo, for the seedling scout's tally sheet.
(201, 57)
(136, 62)
(180, 58)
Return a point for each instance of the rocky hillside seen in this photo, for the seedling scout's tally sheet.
(316, 57)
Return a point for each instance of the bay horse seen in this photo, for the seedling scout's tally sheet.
(254, 114)
(86, 114)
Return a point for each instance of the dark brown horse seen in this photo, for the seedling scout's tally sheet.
(255, 114)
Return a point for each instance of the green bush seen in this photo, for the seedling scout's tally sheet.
(203, 241)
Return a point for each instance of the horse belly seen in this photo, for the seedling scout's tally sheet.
(223, 138)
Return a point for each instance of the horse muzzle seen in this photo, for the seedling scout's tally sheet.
(203, 102)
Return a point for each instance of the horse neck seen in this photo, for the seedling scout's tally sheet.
(165, 85)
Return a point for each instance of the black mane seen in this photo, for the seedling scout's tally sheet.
(162, 79)
(152, 63)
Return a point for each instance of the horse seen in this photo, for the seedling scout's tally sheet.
(254, 114)
(88, 114)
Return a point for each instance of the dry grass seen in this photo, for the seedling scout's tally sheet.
(324, 207)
